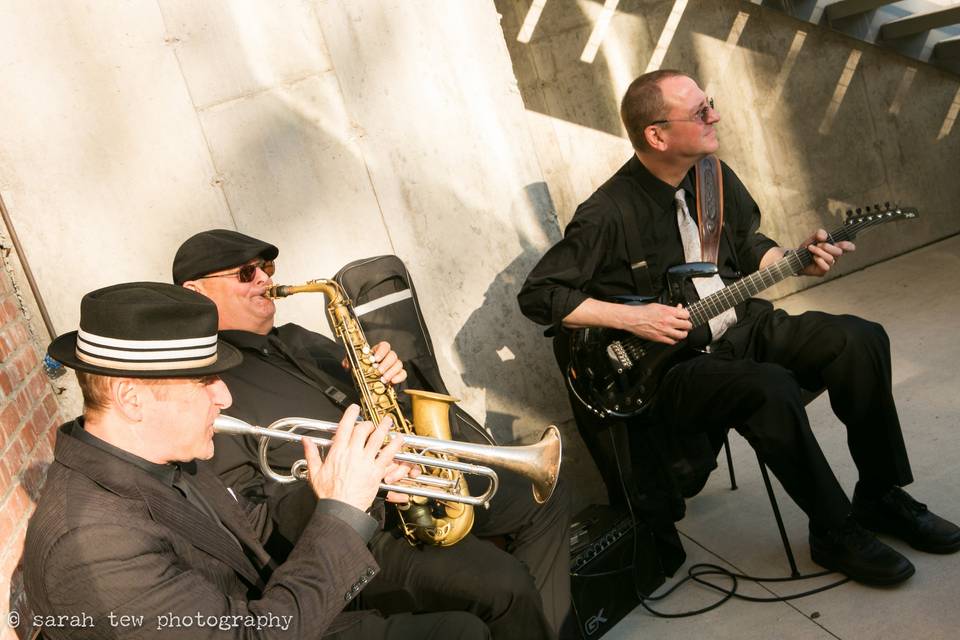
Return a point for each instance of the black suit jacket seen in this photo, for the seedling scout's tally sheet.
(108, 537)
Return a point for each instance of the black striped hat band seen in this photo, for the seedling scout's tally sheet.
(146, 355)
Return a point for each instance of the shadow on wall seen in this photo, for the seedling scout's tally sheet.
(505, 353)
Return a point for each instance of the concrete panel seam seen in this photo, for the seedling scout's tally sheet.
(217, 182)
(362, 155)
(292, 82)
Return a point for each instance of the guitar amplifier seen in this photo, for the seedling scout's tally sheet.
(611, 560)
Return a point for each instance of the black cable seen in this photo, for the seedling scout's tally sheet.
(696, 571)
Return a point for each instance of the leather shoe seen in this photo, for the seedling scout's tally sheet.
(854, 551)
(896, 513)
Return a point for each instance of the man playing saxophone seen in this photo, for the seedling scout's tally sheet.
(520, 592)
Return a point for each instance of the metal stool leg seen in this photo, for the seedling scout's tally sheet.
(776, 513)
(726, 447)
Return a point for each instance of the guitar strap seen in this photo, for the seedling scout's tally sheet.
(709, 207)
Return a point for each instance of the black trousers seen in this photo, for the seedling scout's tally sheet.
(453, 625)
(521, 591)
(752, 381)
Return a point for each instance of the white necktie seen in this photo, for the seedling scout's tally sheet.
(690, 235)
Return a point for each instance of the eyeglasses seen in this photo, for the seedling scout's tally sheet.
(699, 117)
(247, 272)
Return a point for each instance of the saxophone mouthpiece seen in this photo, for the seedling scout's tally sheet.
(278, 291)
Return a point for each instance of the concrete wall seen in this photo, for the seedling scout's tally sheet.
(813, 121)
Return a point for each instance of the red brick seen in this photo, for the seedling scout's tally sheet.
(16, 455)
(38, 384)
(7, 311)
(26, 362)
(53, 409)
(6, 385)
(6, 478)
(28, 441)
(6, 348)
(45, 452)
(9, 421)
(18, 502)
(22, 401)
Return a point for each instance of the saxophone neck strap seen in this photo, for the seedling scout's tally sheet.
(315, 377)
(709, 207)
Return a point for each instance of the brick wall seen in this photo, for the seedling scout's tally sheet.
(29, 415)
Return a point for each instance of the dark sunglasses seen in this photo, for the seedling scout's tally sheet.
(247, 272)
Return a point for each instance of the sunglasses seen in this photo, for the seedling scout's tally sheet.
(247, 272)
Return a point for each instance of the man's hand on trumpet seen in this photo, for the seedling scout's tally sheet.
(357, 462)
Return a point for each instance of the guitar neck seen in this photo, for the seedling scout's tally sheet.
(790, 265)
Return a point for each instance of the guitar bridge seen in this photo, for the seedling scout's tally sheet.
(618, 354)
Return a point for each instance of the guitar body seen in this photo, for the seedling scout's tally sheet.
(615, 374)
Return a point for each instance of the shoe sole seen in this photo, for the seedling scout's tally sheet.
(879, 581)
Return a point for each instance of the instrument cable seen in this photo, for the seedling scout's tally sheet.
(697, 571)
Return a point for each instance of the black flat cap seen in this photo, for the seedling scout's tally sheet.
(215, 250)
(146, 330)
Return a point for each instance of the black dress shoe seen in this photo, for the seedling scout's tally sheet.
(854, 551)
(897, 514)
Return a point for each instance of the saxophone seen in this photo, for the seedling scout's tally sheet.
(433, 522)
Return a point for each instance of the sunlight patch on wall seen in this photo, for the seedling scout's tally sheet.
(781, 81)
(599, 32)
(727, 50)
(666, 36)
(902, 90)
(951, 118)
(840, 92)
(530, 22)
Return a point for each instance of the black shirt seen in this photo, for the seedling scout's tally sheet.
(289, 372)
(599, 258)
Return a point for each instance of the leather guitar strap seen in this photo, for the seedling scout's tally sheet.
(709, 207)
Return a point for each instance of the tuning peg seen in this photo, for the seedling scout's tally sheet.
(886, 205)
(849, 213)
(876, 207)
(858, 211)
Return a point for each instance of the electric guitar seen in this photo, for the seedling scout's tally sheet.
(615, 373)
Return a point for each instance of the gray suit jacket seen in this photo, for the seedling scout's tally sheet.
(109, 538)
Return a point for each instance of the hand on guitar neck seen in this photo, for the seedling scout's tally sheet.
(823, 250)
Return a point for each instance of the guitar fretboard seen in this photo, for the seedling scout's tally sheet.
(790, 265)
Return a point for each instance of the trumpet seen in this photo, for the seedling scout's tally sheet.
(538, 462)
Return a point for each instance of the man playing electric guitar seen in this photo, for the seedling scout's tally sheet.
(622, 241)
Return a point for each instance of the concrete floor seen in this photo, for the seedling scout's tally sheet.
(917, 299)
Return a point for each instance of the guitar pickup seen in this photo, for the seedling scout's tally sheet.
(618, 354)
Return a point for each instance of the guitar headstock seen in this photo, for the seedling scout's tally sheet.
(867, 216)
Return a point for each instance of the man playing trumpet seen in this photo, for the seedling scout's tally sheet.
(520, 592)
(135, 538)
